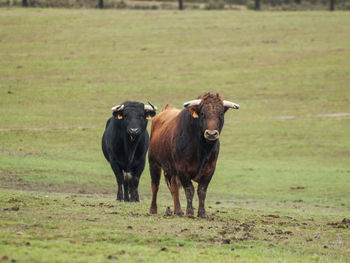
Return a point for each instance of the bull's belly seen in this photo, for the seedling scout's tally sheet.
(190, 174)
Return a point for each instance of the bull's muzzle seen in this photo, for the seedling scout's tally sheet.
(133, 132)
(211, 135)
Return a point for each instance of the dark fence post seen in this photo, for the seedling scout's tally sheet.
(100, 3)
(257, 5)
(181, 5)
(331, 5)
(24, 3)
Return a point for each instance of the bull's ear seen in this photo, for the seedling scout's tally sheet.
(193, 107)
(118, 111)
(193, 112)
(150, 114)
(118, 115)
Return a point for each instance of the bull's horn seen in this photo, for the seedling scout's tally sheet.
(150, 107)
(118, 107)
(192, 103)
(230, 104)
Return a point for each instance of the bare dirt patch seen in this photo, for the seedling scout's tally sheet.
(297, 188)
(345, 223)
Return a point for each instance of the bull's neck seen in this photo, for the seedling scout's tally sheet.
(195, 136)
(199, 146)
(129, 146)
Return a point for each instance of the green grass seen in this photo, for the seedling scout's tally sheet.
(282, 183)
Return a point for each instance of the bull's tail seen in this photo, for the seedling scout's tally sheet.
(167, 178)
(171, 179)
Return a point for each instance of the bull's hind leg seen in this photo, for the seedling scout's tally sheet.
(174, 189)
(155, 172)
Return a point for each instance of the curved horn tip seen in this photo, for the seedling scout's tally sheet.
(150, 108)
(230, 104)
(153, 106)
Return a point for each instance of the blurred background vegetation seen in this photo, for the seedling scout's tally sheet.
(191, 4)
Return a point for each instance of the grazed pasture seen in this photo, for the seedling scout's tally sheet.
(281, 190)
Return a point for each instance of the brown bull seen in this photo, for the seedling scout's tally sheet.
(185, 144)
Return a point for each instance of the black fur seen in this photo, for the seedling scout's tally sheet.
(191, 132)
(126, 152)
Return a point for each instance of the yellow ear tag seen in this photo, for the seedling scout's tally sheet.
(148, 117)
(194, 115)
(119, 117)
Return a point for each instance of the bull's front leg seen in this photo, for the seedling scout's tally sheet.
(189, 192)
(203, 186)
(133, 186)
(135, 178)
(202, 193)
(126, 189)
(120, 179)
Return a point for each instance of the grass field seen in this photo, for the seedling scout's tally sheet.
(281, 191)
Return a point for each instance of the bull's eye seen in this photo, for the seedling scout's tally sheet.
(202, 114)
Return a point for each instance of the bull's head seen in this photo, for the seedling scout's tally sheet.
(209, 110)
(133, 117)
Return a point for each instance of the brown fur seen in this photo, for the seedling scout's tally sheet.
(170, 128)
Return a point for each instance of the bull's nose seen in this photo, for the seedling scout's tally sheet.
(211, 135)
(134, 131)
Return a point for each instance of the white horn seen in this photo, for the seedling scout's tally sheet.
(230, 104)
(192, 103)
(118, 107)
(150, 107)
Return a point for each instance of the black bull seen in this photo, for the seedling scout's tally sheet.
(125, 143)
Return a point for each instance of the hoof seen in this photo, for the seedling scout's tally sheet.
(153, 210)
(189, 213)
(119, 196)
(202, 214)
(134, 199)
(179, 213)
